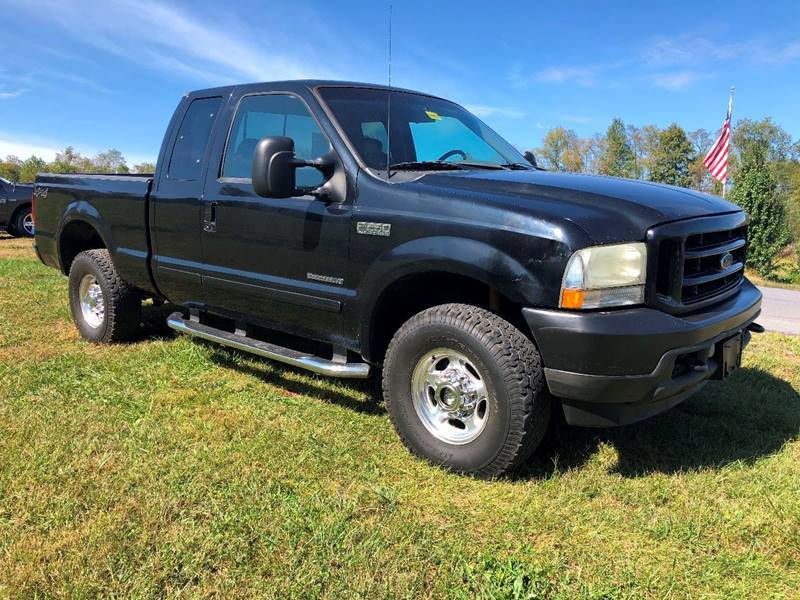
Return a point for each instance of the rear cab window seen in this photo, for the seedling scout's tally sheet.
(191, 142)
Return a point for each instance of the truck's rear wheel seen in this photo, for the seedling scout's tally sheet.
(465, 390)
(104, 307)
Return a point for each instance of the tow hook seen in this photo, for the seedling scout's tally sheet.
(755, 328)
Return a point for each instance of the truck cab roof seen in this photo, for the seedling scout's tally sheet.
(297, 85)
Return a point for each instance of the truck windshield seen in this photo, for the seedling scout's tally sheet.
(426, 133)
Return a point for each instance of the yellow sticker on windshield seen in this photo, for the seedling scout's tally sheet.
(433, 116)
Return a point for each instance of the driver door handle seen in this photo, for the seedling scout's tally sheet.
(210, 217)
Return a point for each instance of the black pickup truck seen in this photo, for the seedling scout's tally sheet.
(343, 228)
(15, 208)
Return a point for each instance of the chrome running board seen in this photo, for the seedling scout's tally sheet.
(287, 356)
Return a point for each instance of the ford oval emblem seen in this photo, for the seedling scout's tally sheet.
(725, 261)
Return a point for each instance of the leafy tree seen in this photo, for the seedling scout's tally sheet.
(792, 169)
(145, 167)
(592, 150)
(617, 158)
(561, 150)
(702, 140)
(70, 161)
(756, 190)
(643, 141)
(30, 167)
(9, 168)
(110, 161)
(764, 136)
(672, 157)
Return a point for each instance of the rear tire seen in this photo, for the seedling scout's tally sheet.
(447, 364)
(22, 223)
(104, 307)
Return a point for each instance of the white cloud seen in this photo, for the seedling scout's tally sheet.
(14, 94)
(784, 54)
(672, 63)
(517, 77)
(673, 82)
(579, 119)
(153, 34)
(589, 75)
(483, 110)
(689, 49)
(11, 145)
(583, 76)
(666, 51)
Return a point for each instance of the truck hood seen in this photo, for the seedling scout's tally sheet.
(608, 209)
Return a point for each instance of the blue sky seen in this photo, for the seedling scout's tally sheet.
(100, 74)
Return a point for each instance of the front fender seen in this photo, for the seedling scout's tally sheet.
(478, 260)
(470, 258)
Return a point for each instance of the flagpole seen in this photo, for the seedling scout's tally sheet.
(730, 112)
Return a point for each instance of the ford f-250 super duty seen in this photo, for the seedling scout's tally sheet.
(372, 228)
(15, 208)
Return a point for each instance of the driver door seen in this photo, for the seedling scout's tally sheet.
(280, 262)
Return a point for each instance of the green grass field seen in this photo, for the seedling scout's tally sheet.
(174, 468)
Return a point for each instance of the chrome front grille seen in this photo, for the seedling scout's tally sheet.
(696, 262)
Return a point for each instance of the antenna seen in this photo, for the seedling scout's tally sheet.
(389, 104)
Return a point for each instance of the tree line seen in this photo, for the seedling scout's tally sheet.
(763, 173)
(70, 161)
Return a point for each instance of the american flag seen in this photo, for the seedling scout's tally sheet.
(716, 161)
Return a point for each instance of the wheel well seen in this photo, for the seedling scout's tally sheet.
(76, 237)
(412, 294)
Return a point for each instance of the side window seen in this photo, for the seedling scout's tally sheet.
(186, 161)
(269, 115)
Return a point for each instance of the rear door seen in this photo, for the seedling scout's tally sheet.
(279, 261)
(177, 203)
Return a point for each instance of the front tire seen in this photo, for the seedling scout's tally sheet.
(465, 390)
(105, 308)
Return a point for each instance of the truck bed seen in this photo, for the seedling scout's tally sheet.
(116, 206)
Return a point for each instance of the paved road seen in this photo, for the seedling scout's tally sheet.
(780, 310)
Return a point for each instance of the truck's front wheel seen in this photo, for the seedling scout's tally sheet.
(465, 390)
(104, 307)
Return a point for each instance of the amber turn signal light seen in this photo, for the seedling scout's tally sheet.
(571, 298)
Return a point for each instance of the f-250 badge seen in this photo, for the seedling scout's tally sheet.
(40, 192)
(368, 228)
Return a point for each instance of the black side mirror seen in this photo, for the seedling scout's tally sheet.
(275, 166)
(531, 158)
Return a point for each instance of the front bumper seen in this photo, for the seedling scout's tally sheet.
(620, 366)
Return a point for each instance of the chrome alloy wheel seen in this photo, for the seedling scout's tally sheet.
(93, 306)
(450, 396)
(27, 224)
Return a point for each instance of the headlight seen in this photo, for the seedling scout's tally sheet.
(605, 276)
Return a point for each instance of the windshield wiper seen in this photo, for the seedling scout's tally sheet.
(442, 165)
(482, 165)
(517, 166)
(426, 165)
